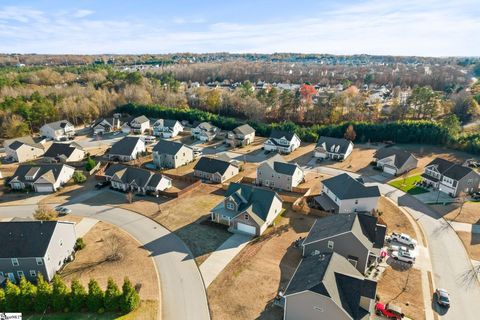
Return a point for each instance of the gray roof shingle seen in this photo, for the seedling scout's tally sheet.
(450, 169)
(212, 165)
(124, 147)
(400, 156)
(167, 147)
(330, 142)
(58, 149)
(346, 187)
(244, 129)
(49, 171)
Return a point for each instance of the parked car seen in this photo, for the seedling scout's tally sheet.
(403, 256)
(63, 210)
(101, 185)
(443, 297)
(396, 247)
(389, 310)
(402, 238)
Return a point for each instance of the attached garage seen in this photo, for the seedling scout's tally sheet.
(44, 188)
(246, 228)
(390, 170)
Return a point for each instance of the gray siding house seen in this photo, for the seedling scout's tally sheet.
(327, 286)
(171, 154)
(277, 173)
(394, 161)
(282, 142)
(215, 170)
(357, 237)
(240, 136)
(451, 178)
(127, 149)
(333, 148)
(30, 248)
(23, 149)
(137, 180)
(247, 209)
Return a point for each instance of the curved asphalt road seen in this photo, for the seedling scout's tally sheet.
(451, 265)
(182, 289)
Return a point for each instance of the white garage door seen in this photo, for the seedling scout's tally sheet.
(246, 228)
(389, 170)
(44, 188)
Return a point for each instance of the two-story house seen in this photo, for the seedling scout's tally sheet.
(64, 152)
(394, 161)
(137, 125)
(333, 148)
(30, 248)
(106, 125)
(58, 130)
(137, 180)
(344, 194)
(166, 128)
(127, 149)
(247, 209)
(451, 178)
(240, 136)
(282, 142)
(327, 286)
(171, 154)
(277, 173)
(215, 170)
(357, 237)
(205, 131)
(41, 177)
(23, 149)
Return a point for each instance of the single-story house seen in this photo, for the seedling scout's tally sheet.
(240, 136)
(277, 173)
(215, 169)
(23, 149)
(205, 131)
(64, 152)
(333, 148)
(41, 177)
(327, 286)
(247, 209)
(166, 128)
(171, 154)
(282, 141)
(395, 161)
(58, 130)
(127, 149)
(137, 180)
(30, 248)
(136, 125)
(357, 237)
(344, 194)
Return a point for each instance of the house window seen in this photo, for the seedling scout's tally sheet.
(20, 274)
(246, 217)
(33, 273)
(230, 206)
(39, 261)
(330, 244)
(469, 181)
(356, 201)
(15, 262)
(61, 243)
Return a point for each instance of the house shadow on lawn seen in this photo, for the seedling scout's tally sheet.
(475, 239)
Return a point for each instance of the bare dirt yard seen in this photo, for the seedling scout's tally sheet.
(470, 213)
(93, 261)
(302, 155)
(394, 218)
(471, 241)
(359, 160)
(256, 145)
(265, 265)
(183, 170)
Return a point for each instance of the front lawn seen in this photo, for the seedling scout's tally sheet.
(408, 185)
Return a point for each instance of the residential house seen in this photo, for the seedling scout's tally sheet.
(357, 237)
(240, 136)
(205, 132)
(171, 154)
(451, 178)
(327, 286)
(166, 128)
(394, 161)
(137, 125)
(247, 209)
(127, 149)
(106, 125)
(58, 130)
(136, 180)
(64, 152)
(30, 248)
(215, 169)
(23, 149)
(333, 148)
(344, 194)
(41, 177)
(277, 173)
(282, 141)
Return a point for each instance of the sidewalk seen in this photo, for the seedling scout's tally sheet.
(219, 259)
(84, 226)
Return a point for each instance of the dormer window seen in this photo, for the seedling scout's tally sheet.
(230, 206)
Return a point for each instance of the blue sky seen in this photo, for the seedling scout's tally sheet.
(407, 27)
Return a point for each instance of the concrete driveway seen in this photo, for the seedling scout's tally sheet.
(183, 293)
(452, 268)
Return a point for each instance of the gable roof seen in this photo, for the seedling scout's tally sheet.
(256, 201)
(134, 175)
(207, 126)
(61, 149)
(244, 129)
(16, 143)
(331, 275)
(278, 134)
(346, 187)
(450, 169)
(168, 147)
(50, 172)
(58, 124)
(278, 164)
(400, 156)
(165, 123)
(213, 165)
(140, 119)
(25, 239)
(339, 145)
(125, 146)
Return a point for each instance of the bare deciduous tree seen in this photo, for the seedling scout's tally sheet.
(44, 212)
(113, 247)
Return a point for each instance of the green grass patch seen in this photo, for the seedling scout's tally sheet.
(71, 315)
(408, 185)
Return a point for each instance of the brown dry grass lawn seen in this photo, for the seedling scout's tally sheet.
(302, 155)
(261, 267)
(183, 170)
(91, 262)
(471, 241)
(470, 212)
(394, 218)
(256, 145)
(359, 159)
(403, 288)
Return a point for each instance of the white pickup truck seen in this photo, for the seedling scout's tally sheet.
(404, 256)
(403, 239)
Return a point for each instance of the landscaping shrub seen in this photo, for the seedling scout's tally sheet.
(90, 164)
(112, 296)
(43, 299)
(59, 294)
(2, 299)
(79, 177)
(94, 297)
(27, 296)
(79, 244)
(12, 297)
(78, 296)
(130, 300)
